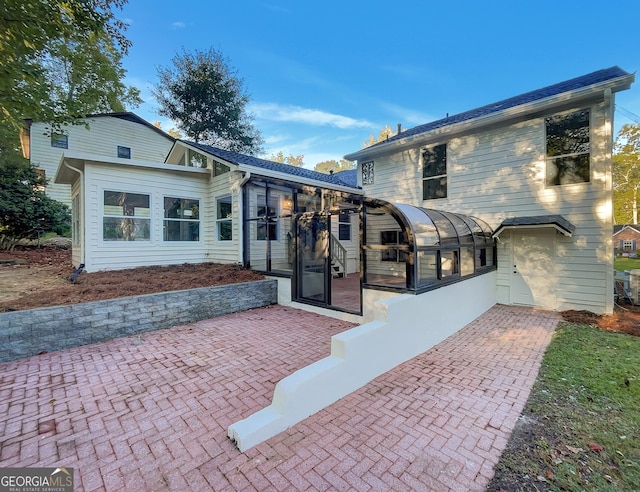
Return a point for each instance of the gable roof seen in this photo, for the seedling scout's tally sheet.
(621, 227)
(337, 179)
(614, 77)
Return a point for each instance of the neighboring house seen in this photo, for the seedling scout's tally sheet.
(537, 169)
(119, 135)
(626, 238)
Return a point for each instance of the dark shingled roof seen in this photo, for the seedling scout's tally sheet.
(528, 97)
(559, 221)
(338, 179)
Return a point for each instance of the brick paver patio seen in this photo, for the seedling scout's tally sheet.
(151, 413)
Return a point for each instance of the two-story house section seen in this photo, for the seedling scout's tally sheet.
(537, 169)
(119, 135)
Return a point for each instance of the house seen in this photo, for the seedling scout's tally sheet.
(626, 238)
(537, 169)
(520, 189)
(123, 135)
(206, 204)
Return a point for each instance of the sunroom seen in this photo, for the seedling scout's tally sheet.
(417, 249)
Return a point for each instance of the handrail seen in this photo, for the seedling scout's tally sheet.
(338, 252)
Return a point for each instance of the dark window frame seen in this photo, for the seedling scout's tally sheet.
(124, 152)
(568, 148)
(60, 140)
(434, 172)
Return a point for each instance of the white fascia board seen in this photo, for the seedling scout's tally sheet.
(100, 159)
(590, 92)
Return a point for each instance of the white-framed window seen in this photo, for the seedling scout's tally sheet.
(60, 140)
(344, 227)
(434, 172)
(126, 216)
(367, 173)
(181, 219)
(224, 219)
(568, 148)
(75, 220)
(124, 152)
(627, 245)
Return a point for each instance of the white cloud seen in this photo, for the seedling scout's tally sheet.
(307, 116)
(178, 25)
(407, 116)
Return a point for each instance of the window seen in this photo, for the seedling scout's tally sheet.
(267, 212)
(196, 159)
(344, 227)
(219, 168)
(126, 217)
(181, 219)
(434, 172)
(367, 173)
(59, 141)
(392, 238)
(75, 220)
(224, 216)
(627, 245)
(124, 152)
(568, 148)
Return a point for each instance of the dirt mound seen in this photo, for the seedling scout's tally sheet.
(625, 319)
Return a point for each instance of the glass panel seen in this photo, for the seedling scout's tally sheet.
(461, 227)
(124, 152)
(568, 170)
(434, 161)
(427, 268)
(181, 208)
(424, 229)
(195, 159)
(568, 134)
(484, 257)
(384, 273)
(434, 188)
(467, 261)
(446, 231)
(125, 229)
(308, 202)
(181, 230)
(313, 237)
(60, 141)
(219, 168)
(449, 263)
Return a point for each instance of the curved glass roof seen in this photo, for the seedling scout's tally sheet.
(431, 228)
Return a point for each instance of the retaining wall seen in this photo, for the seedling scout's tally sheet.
(30, 332)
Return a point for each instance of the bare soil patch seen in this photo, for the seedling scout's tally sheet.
(32, 277)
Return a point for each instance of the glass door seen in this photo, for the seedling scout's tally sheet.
(313, 257)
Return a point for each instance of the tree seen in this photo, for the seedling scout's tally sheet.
(626, 175)
(86, 75)
(328, 167)
(174, 132)
(385, 134)
(32, 36)
(25, 211)
(290, 159)
(207, 100)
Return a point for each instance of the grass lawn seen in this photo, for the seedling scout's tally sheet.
(580, 429)
(622, 264)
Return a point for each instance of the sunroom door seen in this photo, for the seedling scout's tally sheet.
(313, 258)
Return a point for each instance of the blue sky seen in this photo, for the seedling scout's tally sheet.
(323, 76)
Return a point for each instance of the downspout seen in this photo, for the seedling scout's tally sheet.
(245, 179)
(80, 213)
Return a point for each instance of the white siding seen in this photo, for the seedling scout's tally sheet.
(111, 255)
(102, 137)
(499, 173)
(227, 184)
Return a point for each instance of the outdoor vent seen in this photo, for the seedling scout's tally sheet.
(634, 286)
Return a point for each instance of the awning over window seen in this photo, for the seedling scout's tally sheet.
(558, 222)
